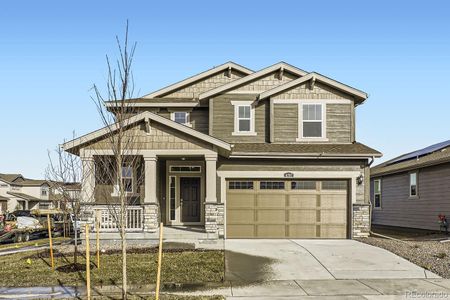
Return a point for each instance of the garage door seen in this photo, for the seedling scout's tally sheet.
(259, 208)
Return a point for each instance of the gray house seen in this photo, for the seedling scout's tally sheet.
(235, 153)
(413, 189)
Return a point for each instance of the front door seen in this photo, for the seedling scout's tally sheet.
(190, 199)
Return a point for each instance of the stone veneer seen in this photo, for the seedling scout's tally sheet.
(151, 217)
(361, 220)
(214, 220)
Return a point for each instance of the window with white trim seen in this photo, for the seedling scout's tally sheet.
(244, 118)
(312, 121)
(127, 178)
(377, 193)
(413, 184)
(181, 117)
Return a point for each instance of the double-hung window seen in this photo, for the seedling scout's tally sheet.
(244, 122)
(181, 117)
(413, 184)
(311, 125)
(127, 178)
(377, 193)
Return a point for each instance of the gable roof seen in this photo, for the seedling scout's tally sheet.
(314, 76)
(156, 102)
(10, 177)
(24, 196)
(316, 150)
(399, 164)
(197, 77)
(70, 145)
(254, 76)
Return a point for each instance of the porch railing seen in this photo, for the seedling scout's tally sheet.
(109, 216)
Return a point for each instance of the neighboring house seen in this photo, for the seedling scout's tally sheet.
(17, 192)
(243, 154)
(413, 189)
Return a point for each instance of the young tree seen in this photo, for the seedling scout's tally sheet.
(122, 168)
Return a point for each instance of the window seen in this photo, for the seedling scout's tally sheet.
(181, 117)
(44, 192)
(244, 121)
(185, 169)
(334, 185)
(413, 184)
(271, 185)
(172, 196)
(303, 185)
(240, 185)
(127, 178)
(377, 193)
(312, 121)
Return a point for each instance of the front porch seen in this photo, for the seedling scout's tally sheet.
(178, 190)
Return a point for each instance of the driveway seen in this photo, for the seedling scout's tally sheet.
(268, 260)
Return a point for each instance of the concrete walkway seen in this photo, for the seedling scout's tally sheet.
(266, 260)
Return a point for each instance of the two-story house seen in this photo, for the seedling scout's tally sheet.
(18, 192)
(244, 154)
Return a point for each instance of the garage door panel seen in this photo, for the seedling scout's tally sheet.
(302, 216)
(270, 231)
(288, 213)
(303, 231)
(271, 216)
(302, 201)
(241, 231)
(241, 216)
(241, 200)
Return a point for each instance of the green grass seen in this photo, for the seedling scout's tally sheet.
(32, 269)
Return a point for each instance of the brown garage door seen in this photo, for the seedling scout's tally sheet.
(258, 208)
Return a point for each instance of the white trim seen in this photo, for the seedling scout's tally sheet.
(417, 184)
(379, 193)
(105, 130)
(236, 105)
(185, 172)
(300, 137)
(188, 117)
(253, 76)
(325, 101)
(197, 77)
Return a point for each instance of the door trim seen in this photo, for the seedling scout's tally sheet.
(177, 176)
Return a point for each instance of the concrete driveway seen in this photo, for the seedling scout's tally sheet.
(267, 260)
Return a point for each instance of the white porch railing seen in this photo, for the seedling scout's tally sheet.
(108, 215)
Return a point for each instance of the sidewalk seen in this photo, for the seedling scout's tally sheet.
(369, 289)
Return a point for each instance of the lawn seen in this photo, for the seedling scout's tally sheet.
(37, 242)
(32, 268)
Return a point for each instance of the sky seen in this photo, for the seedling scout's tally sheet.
(52, 52)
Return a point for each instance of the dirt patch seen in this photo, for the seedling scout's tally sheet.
(430, 255)
(244, 267)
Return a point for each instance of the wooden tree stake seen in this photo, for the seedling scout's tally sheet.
(88, 264)
(158, 276)
(97, 229)
(50, 241)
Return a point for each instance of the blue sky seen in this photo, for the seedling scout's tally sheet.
(51, 52)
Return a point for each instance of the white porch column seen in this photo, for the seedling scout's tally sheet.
(211, 182)
(150, 179)
(88, 180)
(151, 205)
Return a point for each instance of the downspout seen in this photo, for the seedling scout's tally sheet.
(370, 201)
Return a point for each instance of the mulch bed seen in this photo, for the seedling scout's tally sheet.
(430, 255)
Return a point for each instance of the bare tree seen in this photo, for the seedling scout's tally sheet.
(64, 176)
(122, 169)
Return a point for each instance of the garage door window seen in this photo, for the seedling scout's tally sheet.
(303, 185)
(271, 185)
(241, 185)
(334, 185)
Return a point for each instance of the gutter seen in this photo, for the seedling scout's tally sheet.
(300, 156)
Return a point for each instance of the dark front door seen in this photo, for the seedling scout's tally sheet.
(190, 199)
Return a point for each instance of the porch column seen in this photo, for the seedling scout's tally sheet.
(87, 193)
(214, 211)
(151, 206)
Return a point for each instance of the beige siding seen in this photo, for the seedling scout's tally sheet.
(320, 91)
(200, 120)
(194, 89)
(398, 209)
(223, 119)
(285, 122)
(160, 137)
(339, 123)
(266, 83)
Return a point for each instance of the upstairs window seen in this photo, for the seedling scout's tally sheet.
(312, 121)
(413, 184)
(244, 120)
(44, 192)
(377, 193)
(181, 117)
